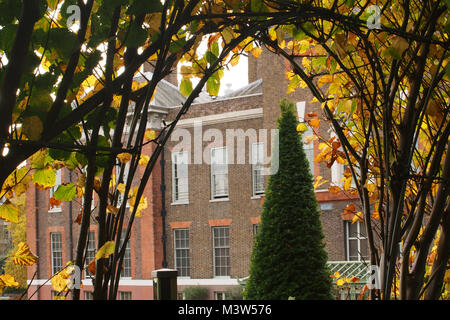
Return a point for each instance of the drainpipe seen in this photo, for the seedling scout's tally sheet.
(70, 223)
(163, 208)
(36, 215)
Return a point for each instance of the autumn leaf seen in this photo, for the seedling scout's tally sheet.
(334, 189)
(357, 217)
(23, 256)
(350, 209)
(121, 188)
(45, 177)
(149, 134)
(78, 218)
(328, 78)
(336, 275)
(314, 123)
(8, 280)
(9, 212)
(112, 209)
(91, 266)
(124, 157)
(54, 203)
(106, 250)
(60, 281)
(340, 282)
(143, 160)
(319, 182)
(301, 127)
(97, 184)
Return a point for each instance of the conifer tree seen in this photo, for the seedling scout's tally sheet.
(288, 257)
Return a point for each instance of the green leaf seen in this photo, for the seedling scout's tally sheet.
(145, 6)
(186, 87)
(65, 192)
(136, 37)
(213, 85)
(45, 177)
(9, 212)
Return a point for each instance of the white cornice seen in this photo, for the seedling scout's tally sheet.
(222, 117)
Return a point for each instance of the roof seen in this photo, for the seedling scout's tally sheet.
(168, 95)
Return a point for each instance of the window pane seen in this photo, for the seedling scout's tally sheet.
(56, 251)
(353, 250)
(180, 176)
(182, 258)
(221, 243)
(126, 265)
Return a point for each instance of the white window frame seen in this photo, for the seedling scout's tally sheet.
(126, 263)
(58, 182)
(356, 238)
(184, 156)
(226, 194)
(90, 251)
(175, 249)
(227, 266)
(125, 294)
(56, 252)
(257, 168)
(220, 295)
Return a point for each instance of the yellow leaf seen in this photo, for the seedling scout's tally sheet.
(124, 157)
(256, 52)
(324, 80)
(144, 160)
(106, 250)
(121, 188)
(301, 127)
(112, 209)
(8, 281)
(60, 281)
(23, 255)
(357, 217)
(9, 212)
(149, 134)
(340, 282)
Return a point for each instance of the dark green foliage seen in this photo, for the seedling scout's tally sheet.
(288, 258)
(196, 293)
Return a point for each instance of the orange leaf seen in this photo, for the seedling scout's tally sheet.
(91, 267)
(350, 208)
(334, 189)
(78, 218)
(54, 203)
(314, 123)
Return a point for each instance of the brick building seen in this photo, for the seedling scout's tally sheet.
(205, 195)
